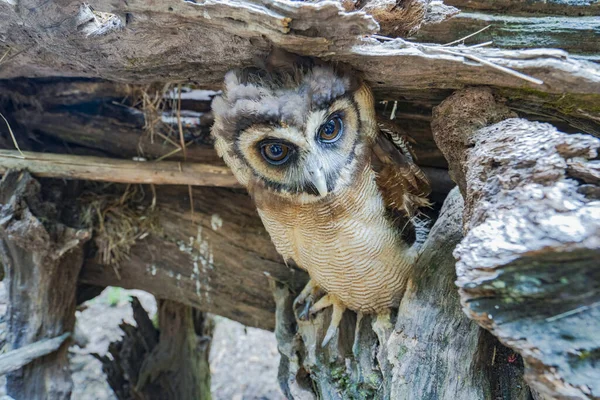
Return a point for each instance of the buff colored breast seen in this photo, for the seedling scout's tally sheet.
(346, 243)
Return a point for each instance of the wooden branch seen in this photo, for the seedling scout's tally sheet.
(112, 170)
(528, 265)
(15, 359)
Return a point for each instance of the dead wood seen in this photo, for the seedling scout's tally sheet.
(113, 170)
(577, 35)
(218, 260)
(528, 265)
(168, 362)
(129, 47)
(42, 258)
(541, 7)
(15, 359)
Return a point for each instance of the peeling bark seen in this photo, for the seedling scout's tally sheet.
(528, 265)
(42, 258)
(207, 39)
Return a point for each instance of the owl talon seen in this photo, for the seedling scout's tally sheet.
(306, 297)
(336, 316)
(305, 313)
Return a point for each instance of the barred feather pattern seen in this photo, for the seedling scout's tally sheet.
(347, 243)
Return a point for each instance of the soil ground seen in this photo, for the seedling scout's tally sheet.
(243, 360)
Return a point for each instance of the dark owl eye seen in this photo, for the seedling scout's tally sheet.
(331, 130)
(275, 153)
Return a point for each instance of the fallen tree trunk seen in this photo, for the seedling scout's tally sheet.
(528, 265)
(218, 259)
(577, 35)
(234, 35)
(42, 258)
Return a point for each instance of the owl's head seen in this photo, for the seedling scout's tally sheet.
(301, 134)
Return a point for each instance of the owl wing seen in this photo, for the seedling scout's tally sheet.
(403, 184)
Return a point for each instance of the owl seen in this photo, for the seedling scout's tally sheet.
(338, 195)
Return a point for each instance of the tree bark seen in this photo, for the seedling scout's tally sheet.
(42, 258)
(218, 260)
(427, 349)
(528, 265)
(577, 35)
(170, 362)
(219, 36)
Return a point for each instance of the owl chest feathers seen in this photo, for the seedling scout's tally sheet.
(346, 242)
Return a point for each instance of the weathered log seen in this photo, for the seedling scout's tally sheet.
(113, 170)
(528, 265)
(404, 18)
(100, 118)
(218, 260)
(220, 36)
(427, 350)
(577, 35)
(42, 258)
(170, 362)
(552, 7)
(15, 359)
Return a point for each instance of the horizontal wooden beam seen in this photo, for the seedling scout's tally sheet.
(113, 170)
(67, 166)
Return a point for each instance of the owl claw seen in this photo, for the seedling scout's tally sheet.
(306, 297)
(305, 313)
(336, 316)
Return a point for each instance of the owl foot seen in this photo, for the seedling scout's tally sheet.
(336, 316)
(307, 297)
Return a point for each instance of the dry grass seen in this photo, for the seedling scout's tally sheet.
(12, 135)
(153, 101)
(118, 222)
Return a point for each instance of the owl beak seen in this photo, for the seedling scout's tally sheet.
(318, 179)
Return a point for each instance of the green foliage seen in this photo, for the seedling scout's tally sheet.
(116, 296)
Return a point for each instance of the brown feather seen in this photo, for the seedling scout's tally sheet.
(403, 185)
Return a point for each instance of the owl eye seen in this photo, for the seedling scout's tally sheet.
(275, 153)
(331, 130)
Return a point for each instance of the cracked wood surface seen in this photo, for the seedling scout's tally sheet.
(528, 265)
(207, 39)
